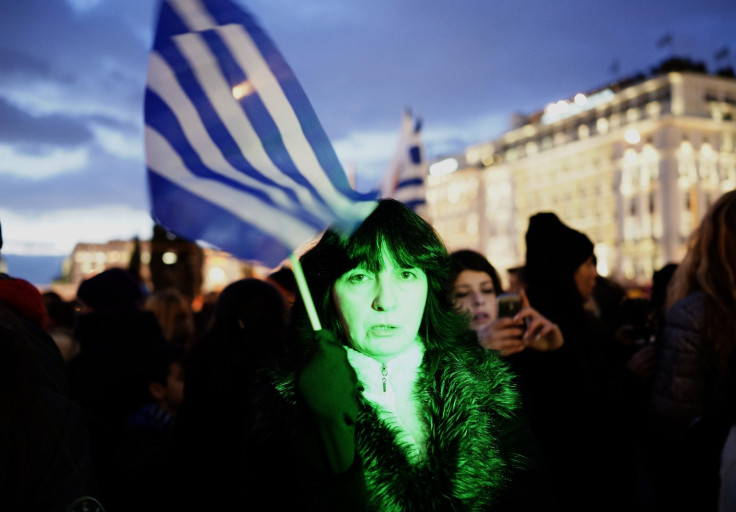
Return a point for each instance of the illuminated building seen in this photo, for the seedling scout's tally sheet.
(214, 269)
(634, 165)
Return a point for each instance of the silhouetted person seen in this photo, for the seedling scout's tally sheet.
(572, 409)
(25, 299)
(148, 472)
(225, 391)
(45, 463)
(115, 336)
(174, 314)
(284, 280)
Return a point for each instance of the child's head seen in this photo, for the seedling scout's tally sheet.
(165, 377)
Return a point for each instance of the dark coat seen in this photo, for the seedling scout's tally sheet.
(690, 410)
(106, 380)
(45, 462)
(685, 384)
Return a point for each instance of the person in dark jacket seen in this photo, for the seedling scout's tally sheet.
(693, 397)
(225, 392)
(115, 337)
(44, 444)
(401, 400)
(571, 406)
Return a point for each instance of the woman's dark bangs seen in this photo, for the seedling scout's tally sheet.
(400, 245)
(364, 249)
(407, 238)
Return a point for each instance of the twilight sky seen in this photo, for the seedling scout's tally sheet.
(72, 77)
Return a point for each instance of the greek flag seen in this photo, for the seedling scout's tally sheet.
(405, 174)
(236, 156)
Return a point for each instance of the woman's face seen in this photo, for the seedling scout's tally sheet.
(474, 293)
(380, 313)
(585, 276)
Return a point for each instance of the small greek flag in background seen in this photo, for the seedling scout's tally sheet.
(404, 179)
(236, 156)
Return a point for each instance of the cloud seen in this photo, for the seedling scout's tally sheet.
(19, 126)
(368, 152)
(120, 143)
(40, 166)
(18, 64)
(105, 179)
(57, 233)
(83, 5)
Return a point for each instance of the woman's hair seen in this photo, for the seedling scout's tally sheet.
(411, 241)
(174, 315)
(251, 304)
(467, 259)
(710, 267)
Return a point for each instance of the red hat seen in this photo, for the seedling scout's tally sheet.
(24, 298)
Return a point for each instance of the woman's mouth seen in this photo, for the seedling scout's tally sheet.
(383, 330)
(480, 317)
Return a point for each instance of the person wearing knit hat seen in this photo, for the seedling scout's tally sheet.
(573, 411)
(555, 252)
(24, 298)
(115, 338)
(113, 289)
(26, 303)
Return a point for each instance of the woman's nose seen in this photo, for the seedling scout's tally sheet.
(478, 299)
(385, 299)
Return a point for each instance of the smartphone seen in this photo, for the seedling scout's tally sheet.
(508, 304)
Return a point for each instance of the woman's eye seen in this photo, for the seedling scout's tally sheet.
(357, 278)
(461, 295)
(407, 275)
(488, 292)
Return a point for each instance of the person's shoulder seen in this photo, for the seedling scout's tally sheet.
(688, 311)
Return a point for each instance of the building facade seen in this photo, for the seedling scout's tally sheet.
(634, 165)
(158, 263)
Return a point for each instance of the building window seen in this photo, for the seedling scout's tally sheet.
(710, 97)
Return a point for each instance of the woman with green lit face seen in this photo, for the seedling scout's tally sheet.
(380, 311)
(402, 398)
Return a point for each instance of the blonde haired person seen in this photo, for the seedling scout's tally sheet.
(174, 315)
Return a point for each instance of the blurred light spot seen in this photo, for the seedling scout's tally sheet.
(242, 89)
(632, 136)
(169, 258)
(445, 166)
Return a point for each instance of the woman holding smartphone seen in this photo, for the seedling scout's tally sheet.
(504, 322)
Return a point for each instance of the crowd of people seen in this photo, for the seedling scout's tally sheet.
(409, 379)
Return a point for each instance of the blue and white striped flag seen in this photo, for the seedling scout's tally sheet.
(236, 156)
(404, 179)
